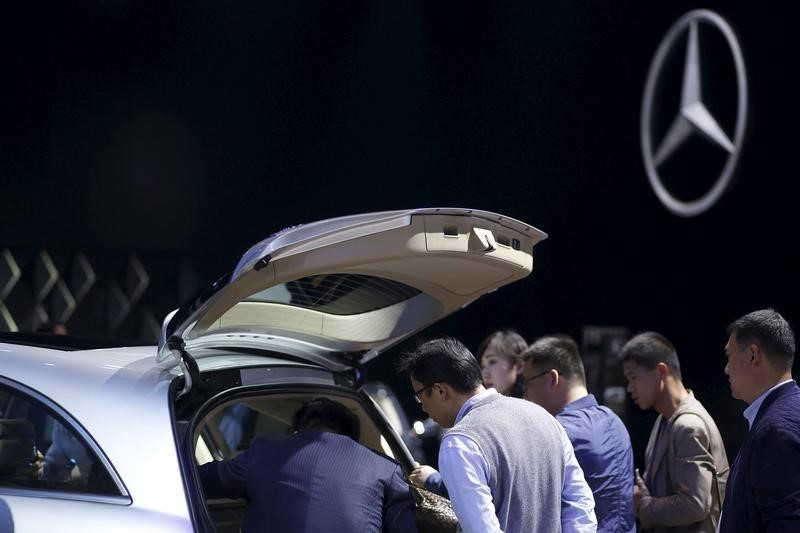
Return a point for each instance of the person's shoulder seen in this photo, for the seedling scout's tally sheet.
(784, 410)
(776, 439)
(508, 400)
(609, 418)
(601, 411)
(780, 421)
(346, 448)
(692, 413)
(691, 421)
(593, 420)
(371, 454)
(789, 400)
(594, 414)
(517, 403)
(694, 423)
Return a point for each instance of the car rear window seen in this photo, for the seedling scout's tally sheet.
(230, 429)
(338, 294)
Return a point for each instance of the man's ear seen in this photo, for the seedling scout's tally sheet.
(554, 377)
(663, 370)
(755, 354)
(444, 390)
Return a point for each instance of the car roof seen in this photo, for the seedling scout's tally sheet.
(62, 373)
(43, 368)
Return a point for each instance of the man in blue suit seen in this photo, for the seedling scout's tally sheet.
(319, 479)
(554, 377)
(763, 492)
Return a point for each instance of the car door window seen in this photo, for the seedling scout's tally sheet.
(40, 450)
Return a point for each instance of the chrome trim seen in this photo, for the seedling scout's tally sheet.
(693, 115)
(63, 495)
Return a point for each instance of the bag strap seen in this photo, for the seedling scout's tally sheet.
(712, 467)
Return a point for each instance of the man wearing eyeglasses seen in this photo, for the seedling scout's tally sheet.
(508, 465)
(554, 378)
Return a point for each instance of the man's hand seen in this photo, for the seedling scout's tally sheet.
(420, 474)
(640, 490)
(37, 464)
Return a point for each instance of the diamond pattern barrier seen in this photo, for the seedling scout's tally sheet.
(9, 276)
(119, 295)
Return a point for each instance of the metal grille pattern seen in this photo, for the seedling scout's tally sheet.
(96, 294)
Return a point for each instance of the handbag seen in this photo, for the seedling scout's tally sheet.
(434, 512)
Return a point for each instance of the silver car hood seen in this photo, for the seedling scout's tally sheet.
(355, 285)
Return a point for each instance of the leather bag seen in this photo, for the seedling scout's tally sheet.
(434, 513)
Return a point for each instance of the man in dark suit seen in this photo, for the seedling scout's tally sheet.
(763, 492)
(316, 480)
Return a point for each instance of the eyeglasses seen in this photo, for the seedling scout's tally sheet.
(420, 391)
(540, 374)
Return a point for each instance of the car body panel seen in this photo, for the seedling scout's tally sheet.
(68, 516)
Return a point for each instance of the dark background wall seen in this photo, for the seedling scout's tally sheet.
(175, 136)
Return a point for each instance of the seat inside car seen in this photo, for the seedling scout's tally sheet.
(16, 447)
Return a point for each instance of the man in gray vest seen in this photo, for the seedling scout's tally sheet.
(508, 465)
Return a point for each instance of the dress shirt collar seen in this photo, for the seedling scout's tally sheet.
(581, 403)
(472, 401)
(752, 410)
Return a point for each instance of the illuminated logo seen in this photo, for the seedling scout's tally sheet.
(694, 117)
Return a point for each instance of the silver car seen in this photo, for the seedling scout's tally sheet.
(110, 439)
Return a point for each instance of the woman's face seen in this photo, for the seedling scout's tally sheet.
(498, 371)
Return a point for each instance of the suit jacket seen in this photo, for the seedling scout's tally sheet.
(763, 492)
(314, 482)
(680, 467)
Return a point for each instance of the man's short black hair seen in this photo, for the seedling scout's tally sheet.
(327, 415)
(650, 348)
(442, 360)
(770, 331)
(559, 352)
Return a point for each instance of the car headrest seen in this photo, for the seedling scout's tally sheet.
(17, 438)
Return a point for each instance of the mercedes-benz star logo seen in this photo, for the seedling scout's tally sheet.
(693, 116)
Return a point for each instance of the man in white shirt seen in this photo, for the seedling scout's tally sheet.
(508, 465)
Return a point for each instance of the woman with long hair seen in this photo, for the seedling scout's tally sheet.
(501, 364)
